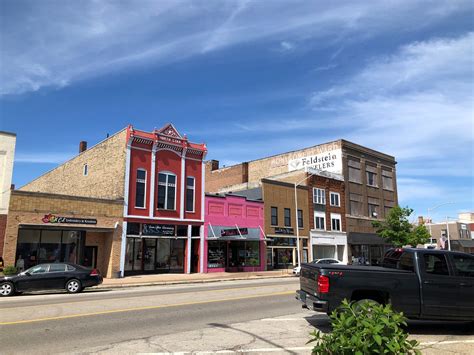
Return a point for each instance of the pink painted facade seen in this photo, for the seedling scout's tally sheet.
(234, 238)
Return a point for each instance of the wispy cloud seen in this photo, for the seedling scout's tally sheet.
(60, 43)
(42, 157)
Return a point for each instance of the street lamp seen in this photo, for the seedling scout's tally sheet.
(296, 207)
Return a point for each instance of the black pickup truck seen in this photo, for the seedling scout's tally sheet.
(421, 283)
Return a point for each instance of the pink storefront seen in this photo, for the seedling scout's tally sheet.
(234, 238)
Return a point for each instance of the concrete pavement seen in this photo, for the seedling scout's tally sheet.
(244, 316)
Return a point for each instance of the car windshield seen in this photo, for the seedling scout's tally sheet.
(38, 269)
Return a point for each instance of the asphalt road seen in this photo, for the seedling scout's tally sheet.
(55, 323)
(255, 316)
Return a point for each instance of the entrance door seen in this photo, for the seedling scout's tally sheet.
(195, 255)
(90, 257)
(177, 255)
(149, 254)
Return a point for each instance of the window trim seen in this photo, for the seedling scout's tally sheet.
(323, 199)
(320, 215)
(144, 190)
(336, 216)
(167, 173)
(194, 195)
(300, 226)
(331, 193)
(276, 216)
(284, 217)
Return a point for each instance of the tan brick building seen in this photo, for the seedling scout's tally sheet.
(38, 230)
(369, 183)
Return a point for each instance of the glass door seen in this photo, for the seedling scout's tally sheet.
(177, 255)
(149, 254)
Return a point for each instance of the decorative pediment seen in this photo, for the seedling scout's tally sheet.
(170, 131)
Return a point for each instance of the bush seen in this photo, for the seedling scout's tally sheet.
(10, 270)
(367, 328)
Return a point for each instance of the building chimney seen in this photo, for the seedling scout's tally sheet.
(421, 220)
(12, 187)
(214, 165)
(82, 146)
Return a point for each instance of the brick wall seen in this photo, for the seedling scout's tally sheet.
(106, 172)
(329, 185)
(28, 208)
(224, 177)
(3, 226)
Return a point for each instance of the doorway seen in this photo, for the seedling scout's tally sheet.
(90, 256)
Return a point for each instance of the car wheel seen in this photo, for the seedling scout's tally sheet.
(366, 301)
(73, 286)
(6, 289)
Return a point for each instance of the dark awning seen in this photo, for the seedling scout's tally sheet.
(365, 238)
(468, 243)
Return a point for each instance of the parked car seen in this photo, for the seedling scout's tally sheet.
(71, 277)
(421, 283)
(296, 270)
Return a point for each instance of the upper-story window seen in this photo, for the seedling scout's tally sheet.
(300, 219)
(274, 216)
(319, 218)
(387, 179)
(140, 189)
(371, 178)
(85, 170)
(335, 199)
(167, 191)
(335, 222)
(354, 171)
(190, 193)
(319, 196)
(287, 217)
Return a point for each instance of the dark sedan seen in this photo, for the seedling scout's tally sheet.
(73, 278)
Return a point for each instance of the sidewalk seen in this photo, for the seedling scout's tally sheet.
(172, 279)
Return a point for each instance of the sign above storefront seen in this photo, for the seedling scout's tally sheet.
(159, 230)
(234, 232)
(279, 230)
(329, 161)
(51, 218)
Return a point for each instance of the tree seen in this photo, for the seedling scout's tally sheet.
(397, 230)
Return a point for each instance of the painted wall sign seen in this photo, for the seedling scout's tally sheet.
(159, 230)
(234, 231)
(51, 218)
(329, 161)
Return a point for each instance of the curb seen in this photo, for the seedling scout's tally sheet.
(183, 282)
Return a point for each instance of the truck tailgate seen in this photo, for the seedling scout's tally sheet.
(308, 277)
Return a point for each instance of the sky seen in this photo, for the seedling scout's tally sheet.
(250, 79)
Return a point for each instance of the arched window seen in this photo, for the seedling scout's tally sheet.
(166, 191)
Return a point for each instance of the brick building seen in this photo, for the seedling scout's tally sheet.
(156, 177)
(7, 152)
(369, 183)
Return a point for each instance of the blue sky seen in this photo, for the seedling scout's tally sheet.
(250, 79)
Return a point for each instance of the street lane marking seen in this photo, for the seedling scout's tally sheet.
(126, 296)
(146, 308)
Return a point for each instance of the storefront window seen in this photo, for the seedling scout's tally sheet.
(129, 255)
(149, 254)
(71, 247)
(163, 254)
(137, 255)
(324, 251)
(216, 254)
(27, 247)
(244, 253)
(50, 248)
(177, 255)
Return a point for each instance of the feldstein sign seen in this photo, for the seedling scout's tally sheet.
(328, 161)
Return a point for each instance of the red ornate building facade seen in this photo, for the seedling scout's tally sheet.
(164, 203)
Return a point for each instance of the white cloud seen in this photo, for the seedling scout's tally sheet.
(62, 42)
(286, 46)
(42, 157)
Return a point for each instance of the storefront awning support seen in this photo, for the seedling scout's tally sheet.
(238, 230)
(212, 230)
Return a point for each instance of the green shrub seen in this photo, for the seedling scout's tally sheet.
(9, 270)
(365, 328)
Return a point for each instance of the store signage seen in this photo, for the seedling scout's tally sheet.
(279, 230)
(234, 232)
(159, 230)
(329, 161)
(51, 218)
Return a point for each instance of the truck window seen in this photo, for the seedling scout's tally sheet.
(464, 265)
(406, 262)
(435, 264)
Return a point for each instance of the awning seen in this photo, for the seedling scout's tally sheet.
(468, 243)
(233, 233)
(365, 238)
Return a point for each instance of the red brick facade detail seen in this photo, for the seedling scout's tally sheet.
(3, 226)
(329, 185)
